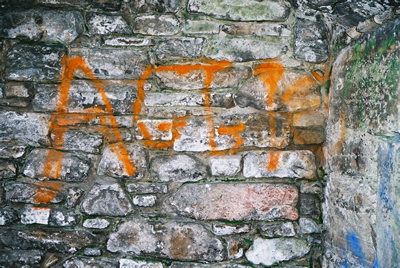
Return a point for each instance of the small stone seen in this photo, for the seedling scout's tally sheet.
(75, 140)
(63, 218)
(127, 263)
(129, 41)
(104, 24)
(271, 251)
(147, 188)
(261, 201)
(225, 165)
(7, 169)
(123, 160)
(67, 242)
(21, 258)
(259, 29)
(311, 188)
(32, 62)
(178, 48)
(96, 223)
(73, 196)
(308, 226)
(224, 229)
(27, 128)
(16, 91)
(154, 130)
(200, 27)
(308, 120)
(241, 10)
(157, 25)
(145, 200)
(35, 215)
(367, 26)
(107, 200)
(281, 164)
(241, 50)
(310, 206)
(40, 164)
(92, 252)
(277, 229)
(303, 136)
(235, 248)
(110, 5)
(85, 262)
(171, 240)
(155, 6)
(51, 260)
(43, 193)
(178, 168)
(7, 216)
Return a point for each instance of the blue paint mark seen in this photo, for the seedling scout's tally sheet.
(355, 246)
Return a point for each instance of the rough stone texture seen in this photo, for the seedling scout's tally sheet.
(7, 169)
(224, 229)
(110, 5)
(311, 40)
(35, 215)
(63, 218)
(308, 226)
(16, 91)
(178, 168)
(302, 136)
(129, 41)
(241, 10)
(310, 206)
(96, 223)
(61, 25)
(147, 188)
(123, 160)
(101, 23)
(78, 3)
(21, 258)
(27, 128)
(157, 25)
(293, 91)
(92, 252)
(235, 201)
(311, 188)
(46, 164)
(177, 48)
(281, 164)
(83, 262)
(107, 200)
(73, 196)
(200, 27)
(158, 6)
(32, 62)
(145, 200)
(127, 263)
(113, 63)
(277, 229)
(235, 248)
(308, 120)
(8, 216)
(172, 240)
(259, 29)
(48, 239)
(41, 193)
(225, 165)
(75, 140)
(154, 130)
(189, 99)
(240, 49)
(199, 265)
(271, 251)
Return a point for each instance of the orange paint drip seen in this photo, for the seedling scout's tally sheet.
(297, 93)
(53, 165)
(47, 192)
(164, 126)
(234, 131)
(137, 106)
(272, 130)
(145, 132)
(120, 150)
(270, 74)
(273, 162)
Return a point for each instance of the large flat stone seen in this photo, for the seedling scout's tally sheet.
(104, 24)
(41, 193)
(241, 10)
(156, 6)
(235, 201)
(34, 62)
(281, 164)
(75, 140)
(46, 164)
(189, 100)
(257, 29)
(157, 25)
(171, 240)
(85, 262)
(128, 263)
(178, 48)
(201, 265)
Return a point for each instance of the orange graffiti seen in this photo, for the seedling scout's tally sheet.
(234, 131)
(47, 192)
(296, 94)
(274, 158)
(120, 150)
(270, 74)
(53, 164)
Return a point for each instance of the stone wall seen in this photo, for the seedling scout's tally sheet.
(168, 133)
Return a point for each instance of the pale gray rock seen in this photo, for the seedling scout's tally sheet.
(23, 192)
(308, 226)
(189, 100)
(92, 252)
(178, 168)
(27, 128)
(177, 48)
(63, 218)
(149, 129)
(172, 240)
(309, 120)
(155, 6)
(129, 42)
(123, 160)
(128, 263)
(257, 29)
(277, 229)
(73, 196)
(107, 200)
(16, 91)
(147, 188)
(107, 23)
(201, 265)
(7, 216)
(21, 258)
(145, 200)
(200, 27)
(77, 3)
(271, 251)
(311, 188)
(86, 262)
(157, 25)
(74, 166)
(8, 169)
(35, 215)
(96, 223)
(225, 165)
(75, 140)
(225, 229)
(281, 164)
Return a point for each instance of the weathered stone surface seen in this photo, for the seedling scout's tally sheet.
(29, 128)
(129, 41)
(235, 201)
(240, 49)
(287, 91)
(92, 252)
(14, 103)
(200, 27)
(308, 226)
(41, 193)
(147, 188)
(85, 262)
(189, 99)
(8, 216)
(96, 223)
(157, 25)
(225, 165)
(145, 200)
(311, 188)
(73, 196)
(311, 40)
(16, 91)
(103, 23)
(303, 136)
(27, 62)
(310, 206)
(281, 164)
(177, 48)
(75, 140)
(172, 240)
(63, 218)
(257, 29)
(224, 229)
(154, 130)
(35, 215)
(277, 229)
(7, 169)
(21, 258)
(158, 6)
(178, 168)
(62, 25)
(241, 10)
(51, 240)
(271, 251)
(107, 200)
(308, 120)
(234, 131)
(234, 248)
(46, 164)
(111, 5)
(123, 160)
(127, 263)
(84, 96)
(113, 63)
(79, 3)
(200, 265)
